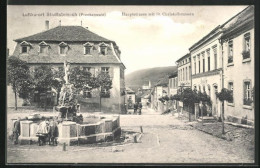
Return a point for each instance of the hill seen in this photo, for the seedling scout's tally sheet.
(141, 77)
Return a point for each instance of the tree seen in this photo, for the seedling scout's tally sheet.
(105, 83)
(189, 97)
(44, 80)
(19, 78)
(224, 95)
(82, 80)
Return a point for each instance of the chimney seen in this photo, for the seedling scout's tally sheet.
(60, 23)
(81, 22)
(86, 27)
(46, 25)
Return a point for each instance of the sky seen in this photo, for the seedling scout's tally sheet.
(155, 36)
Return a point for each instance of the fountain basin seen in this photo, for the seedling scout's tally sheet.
(92, 130)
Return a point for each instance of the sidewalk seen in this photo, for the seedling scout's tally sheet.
(242, 138)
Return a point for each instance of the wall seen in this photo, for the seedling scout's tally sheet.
(184, 76)
(11, 98)
(237, 73)
(212, 78)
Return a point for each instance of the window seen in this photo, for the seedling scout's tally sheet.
(199, 66)
(24, 49)
(247, 42)
(230, 51)
(87, 69)
(105, 70)
(87, 94)
(105, 93)
(215, 57)
(62, 49)
(189, 72)
(203, 61)
(87, 50)
(209, 90)
(186, 73)
(103, 50)
(43, 49)
(60, 69)
(208, 63)
(246, 52)
(247, 93)
(194, 65)
(183, 74)
(231, 88)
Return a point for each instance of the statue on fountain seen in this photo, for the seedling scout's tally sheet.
(67, 100)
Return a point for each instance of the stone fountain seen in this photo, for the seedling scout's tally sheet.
(93, 128)
(67, 100)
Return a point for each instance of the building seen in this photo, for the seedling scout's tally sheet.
(146, 98)
(238, 65)
(173, 83)
(159, 90)
(146, 87)
(130, 98)
(80, 47)
(184, 71)
(206, 63)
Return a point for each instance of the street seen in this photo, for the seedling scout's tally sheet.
(165, 139)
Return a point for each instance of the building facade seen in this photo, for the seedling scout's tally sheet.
(206, 60)
(238, 65)
(80, 47)
(173, 84)
(130, 98)
(184, 71)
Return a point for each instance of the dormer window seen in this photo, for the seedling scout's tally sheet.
(103, 48)
(63, 48)
(87, 48)
(103, 51)
(25, 47)
(43, 47)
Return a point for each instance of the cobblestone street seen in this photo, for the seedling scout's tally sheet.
(165, 139)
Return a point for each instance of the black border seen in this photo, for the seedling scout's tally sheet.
(3, 37)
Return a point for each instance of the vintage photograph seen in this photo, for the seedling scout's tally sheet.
(130, 84)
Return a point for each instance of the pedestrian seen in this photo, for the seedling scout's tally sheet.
(140, 108)
(135, 107)
(53, 133)
(42, 132)
(16, 131)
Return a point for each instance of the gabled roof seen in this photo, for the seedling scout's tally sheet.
(65, 33)
(242, 19)
(129, 90)
(185, 56)
(174, 74)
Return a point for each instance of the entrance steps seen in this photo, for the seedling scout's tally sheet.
(206, 119)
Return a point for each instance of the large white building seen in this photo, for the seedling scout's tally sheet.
(83, 48)
(206, 64)
(238, 65)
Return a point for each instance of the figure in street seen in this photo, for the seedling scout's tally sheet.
(16, 131)
(135, 107)
(140, 108)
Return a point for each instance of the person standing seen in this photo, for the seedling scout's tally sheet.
(16, 130)
(135, 107)
(140, 108)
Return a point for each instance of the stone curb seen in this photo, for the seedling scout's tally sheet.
(224, 138)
